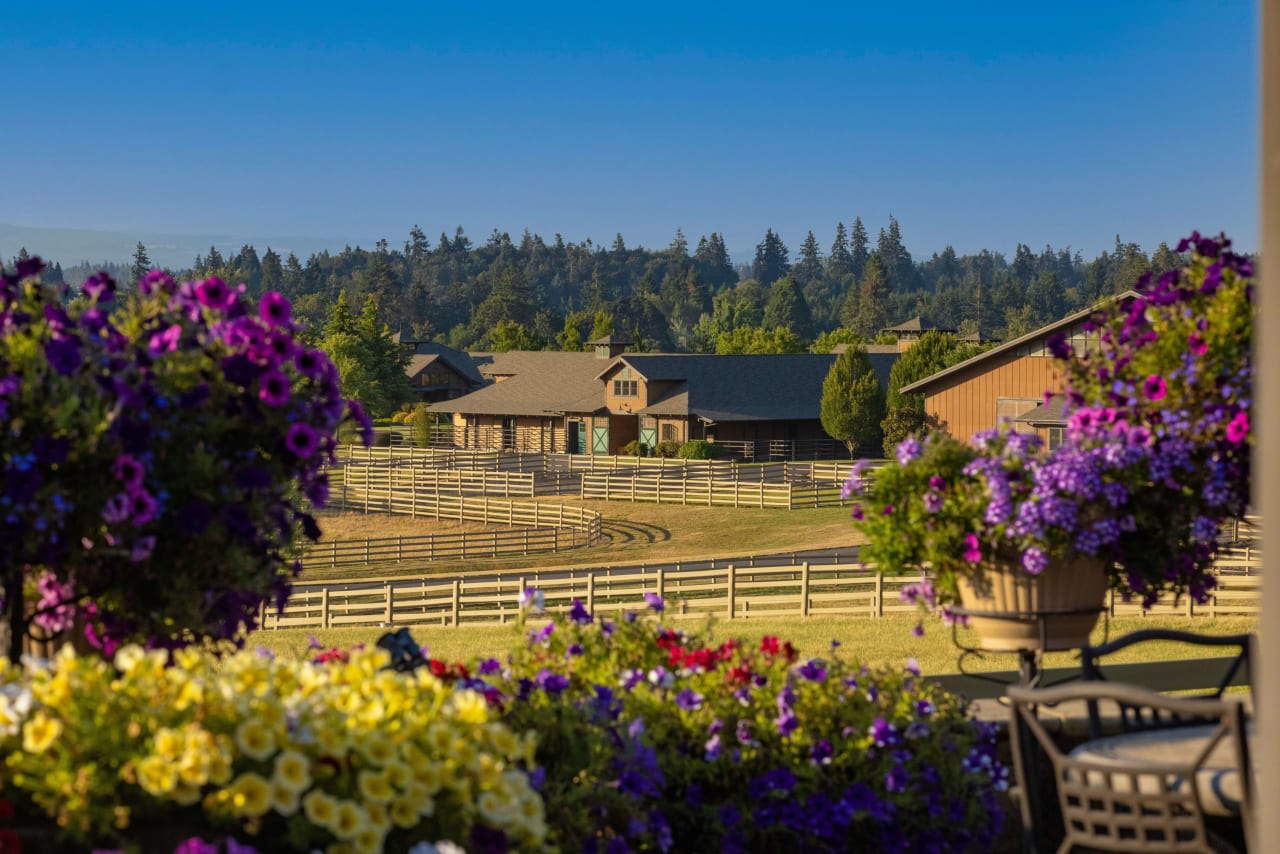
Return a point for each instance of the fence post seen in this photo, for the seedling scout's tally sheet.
(804, 589)
(661, 582)
(390, 604)
(733, 591)
(878, 605)
(324, 607)
(591, 592)
(262, 614)
(366, 549)
(457, 597)
(399, 548)
(334, 562)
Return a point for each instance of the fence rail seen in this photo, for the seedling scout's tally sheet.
(405, 491)
(441, 547)
(731, 592)
(706, 492)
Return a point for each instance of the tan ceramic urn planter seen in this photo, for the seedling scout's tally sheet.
(1011, 610)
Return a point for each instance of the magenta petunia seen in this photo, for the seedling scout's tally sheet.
(273, 388)
(1155, 388)
(1238, 428)
(972, 550)
(142, 506)
(275, 309)
(215, 293)
(129, 471)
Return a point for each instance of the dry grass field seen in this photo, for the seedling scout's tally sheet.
(634, 533)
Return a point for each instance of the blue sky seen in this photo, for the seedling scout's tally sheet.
(980, 124)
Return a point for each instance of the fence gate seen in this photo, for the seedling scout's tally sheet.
(599, 440)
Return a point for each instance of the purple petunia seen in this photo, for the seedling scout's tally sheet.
(908, 450)
(301, 440)
(579, 614)
(142, 506)
(654, 601)
(689, 700)
(814, 670)
(972, 548)
(1155, 388)
(129, 471)
(273, 388)
(551, 682)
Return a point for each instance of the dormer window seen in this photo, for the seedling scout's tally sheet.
(625, 388)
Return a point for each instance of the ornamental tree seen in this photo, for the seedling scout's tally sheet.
(160, 459)
(852, 400)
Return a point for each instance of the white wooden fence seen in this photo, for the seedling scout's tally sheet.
(730, 592)
(706, 492)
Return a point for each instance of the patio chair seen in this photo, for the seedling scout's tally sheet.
(1150, 798)
(1132, 719)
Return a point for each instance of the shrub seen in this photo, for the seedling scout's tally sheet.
(667, 448)
(424, 423)
(698, 449)
(633, 449)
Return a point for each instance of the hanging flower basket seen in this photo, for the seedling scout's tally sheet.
(1010, 609)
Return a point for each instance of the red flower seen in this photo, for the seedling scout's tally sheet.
(769, 645)
(740, 674)
(438, 668)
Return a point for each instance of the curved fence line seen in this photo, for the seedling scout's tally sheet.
(553, 527)
(730, 592)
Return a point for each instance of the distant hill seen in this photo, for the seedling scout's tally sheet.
(72, 245)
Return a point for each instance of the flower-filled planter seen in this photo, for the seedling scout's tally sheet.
(1155, 459)
(161, 455)
(1012, 610)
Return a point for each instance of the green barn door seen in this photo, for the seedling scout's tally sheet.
(577, 437)
(649, 438)
(599, 440)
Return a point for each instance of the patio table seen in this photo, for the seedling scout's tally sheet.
(1155, 751)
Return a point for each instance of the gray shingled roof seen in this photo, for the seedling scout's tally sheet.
(716, 388)
(1046, 414)
(745, 388)
(426, 352)
(540, 382)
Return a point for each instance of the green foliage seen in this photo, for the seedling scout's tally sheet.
(787, 308)
(601, 325)
(753, 340)
(509, 335)
(827, 341)
(667, 448)
(873, 299)
(901, 422)
(370, 363)
(923, 359)
(852, 401)
(698, 449)
(633, 449)
(424, 423)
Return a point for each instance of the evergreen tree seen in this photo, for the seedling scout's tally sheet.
(827, 341)
(809, 267)
(1047, 298)
(873, 299)
(757, 341)
(771, 259)
(787, 308)
(341, 321)
(248, 270)
(679, 246)
(141, 264)
(897, 261)
(272, 271)
(602, 325)
(840, 264)
(852, 401)
(859, 250)
(509, 335)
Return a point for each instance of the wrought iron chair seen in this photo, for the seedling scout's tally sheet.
(1119, 802)
(1133, 719)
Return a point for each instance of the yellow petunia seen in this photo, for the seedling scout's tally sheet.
(170, 743)
(348, 820)
(375, 747)
(250, 794)
(470, 707)
(403, 812)
(374, 786)
(255, 740)
(292, 771)
(367, 841)
(284, 800)
(320, 809)
(40, 732)
(156, 775)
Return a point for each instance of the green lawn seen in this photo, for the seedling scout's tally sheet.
(871, 641)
